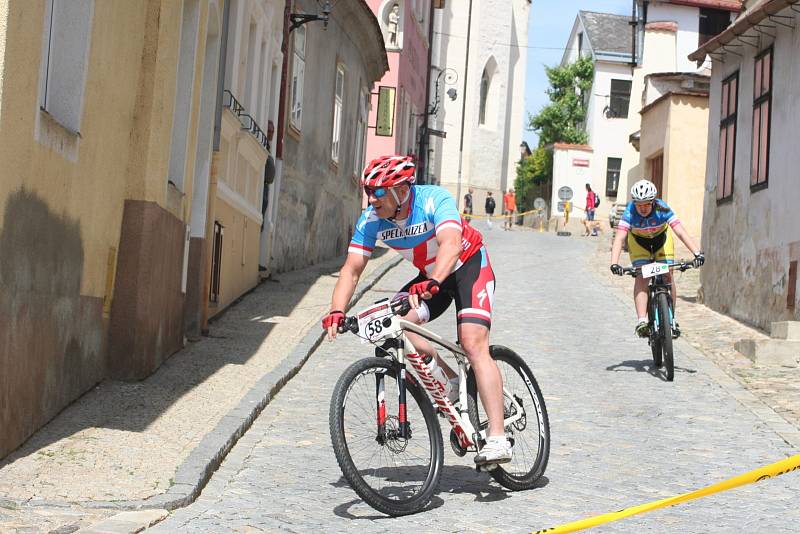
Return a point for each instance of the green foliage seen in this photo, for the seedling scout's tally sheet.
(560, 121)
(533, 175)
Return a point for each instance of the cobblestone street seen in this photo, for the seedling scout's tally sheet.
(621, 435)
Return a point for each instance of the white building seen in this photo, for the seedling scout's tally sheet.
(751, 224)
(665, 32)
(481, 110)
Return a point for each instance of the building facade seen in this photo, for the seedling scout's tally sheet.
(405, 26)
(330, 75)
(479, 97)
(94, 220)
(751, 225)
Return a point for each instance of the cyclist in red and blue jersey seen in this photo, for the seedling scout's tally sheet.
(422, 223)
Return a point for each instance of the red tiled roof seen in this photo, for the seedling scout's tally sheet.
(570, 146)
(751, 18)
(728, 5)
(664, 26)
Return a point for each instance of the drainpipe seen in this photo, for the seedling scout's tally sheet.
(463, 108)
(425, 141)
(214, 172)
(284, 83)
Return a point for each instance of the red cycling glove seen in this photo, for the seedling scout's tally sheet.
(334, 317)
(430, 286)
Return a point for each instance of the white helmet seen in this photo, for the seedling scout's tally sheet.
(643, 190)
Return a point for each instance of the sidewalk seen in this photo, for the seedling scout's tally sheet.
(714, 334)
(154, 444)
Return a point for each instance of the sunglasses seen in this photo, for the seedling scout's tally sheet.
(378, 192)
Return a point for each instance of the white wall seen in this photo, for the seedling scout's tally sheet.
(490, 150)
(688, 19)
(608, 136)
(566, 173)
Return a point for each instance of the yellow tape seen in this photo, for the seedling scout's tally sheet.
(471, 216)
(757, 475)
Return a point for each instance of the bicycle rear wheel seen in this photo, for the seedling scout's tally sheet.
(394, 475)
(665, 332)
(530, 433)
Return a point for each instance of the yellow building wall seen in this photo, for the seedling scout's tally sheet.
(677, 127)
(686, 154)
(112, 164)
(239, 268)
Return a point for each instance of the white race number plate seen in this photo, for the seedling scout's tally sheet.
(370, 321)
(654, 269)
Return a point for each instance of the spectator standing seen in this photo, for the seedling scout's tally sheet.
(509, 208)
(489, 208)
(591, 204)
(468, 205)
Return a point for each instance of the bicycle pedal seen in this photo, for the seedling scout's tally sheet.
(485, 468)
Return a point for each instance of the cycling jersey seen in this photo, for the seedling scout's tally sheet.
(432, 209)
(660, 217)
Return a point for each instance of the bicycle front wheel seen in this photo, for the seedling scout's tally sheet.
(530, 433)
(665, 333)
(395, 475)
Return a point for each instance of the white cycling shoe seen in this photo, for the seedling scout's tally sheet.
(496, 451)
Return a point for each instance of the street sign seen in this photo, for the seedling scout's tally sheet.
(565, 193)
(437, 133)
(580, 162)
(539, 203)
(385, 120)
(561, 206)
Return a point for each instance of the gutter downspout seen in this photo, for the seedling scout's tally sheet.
(214, 173)
(425, 141)
(463, 108)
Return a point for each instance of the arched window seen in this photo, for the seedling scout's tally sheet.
(485, 81)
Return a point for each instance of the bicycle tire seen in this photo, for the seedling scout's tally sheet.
(655, 340)
(393, 507)
(665, 331)
(502, 474)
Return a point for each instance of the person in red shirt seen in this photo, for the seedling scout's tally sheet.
(590, 207)
(509, 208)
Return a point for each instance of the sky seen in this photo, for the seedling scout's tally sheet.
(548, 30)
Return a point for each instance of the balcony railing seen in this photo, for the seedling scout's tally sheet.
(247, 121)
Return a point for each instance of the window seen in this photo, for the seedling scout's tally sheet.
(65, 50)
(337, 113)
(580, 45)
(712, 23)
(361, 133)
(613, 168)
(484, 95)
(620, 99)
(762, 102)
(183, 93)
(727, 137)
(298, 76)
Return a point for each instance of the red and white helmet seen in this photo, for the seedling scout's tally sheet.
(389, 171)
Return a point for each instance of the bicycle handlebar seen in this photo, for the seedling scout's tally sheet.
(636, 271)
(400, 307)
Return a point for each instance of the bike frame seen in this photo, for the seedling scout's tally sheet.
(467, 435)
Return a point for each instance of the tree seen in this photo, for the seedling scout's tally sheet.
(562, 120)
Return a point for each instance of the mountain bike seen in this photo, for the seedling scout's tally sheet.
(660, 311)
(383, 415)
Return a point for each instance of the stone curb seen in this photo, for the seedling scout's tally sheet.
(195, 472)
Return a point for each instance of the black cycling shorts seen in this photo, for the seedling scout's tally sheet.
(471, 286)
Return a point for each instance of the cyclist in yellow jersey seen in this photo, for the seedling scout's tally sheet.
(646, 224)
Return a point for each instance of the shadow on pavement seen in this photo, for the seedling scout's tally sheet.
(458, 479)
(236, 334)
(645, 366)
